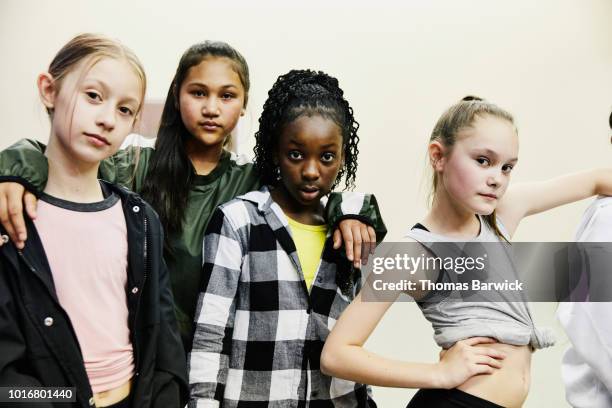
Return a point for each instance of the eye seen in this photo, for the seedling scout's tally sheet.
(483, 161)
(228, 95)
(93, 95)
(328, 157)
(126, 111)
(294, 155)
(198, 93)
(507, 168)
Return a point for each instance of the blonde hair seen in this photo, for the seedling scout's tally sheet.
(93, 47)
(459, 117)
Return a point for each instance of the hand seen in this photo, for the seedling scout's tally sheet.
(466, 359)
(13, 198)
(359, 240)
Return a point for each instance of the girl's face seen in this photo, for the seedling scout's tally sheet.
(211, 100)
(309, 157)
(477, 171)
(93, 111)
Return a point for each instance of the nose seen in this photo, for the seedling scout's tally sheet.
(310, 170)
(107, 117)
(495, 178)
(211, 107)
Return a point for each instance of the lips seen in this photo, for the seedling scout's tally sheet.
(98, 140)
(491, 196)
(210, 125)
(309, 192)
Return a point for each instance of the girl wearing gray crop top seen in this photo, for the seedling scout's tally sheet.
(486, 347)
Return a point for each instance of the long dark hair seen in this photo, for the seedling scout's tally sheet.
(170, 175)
(305, 92)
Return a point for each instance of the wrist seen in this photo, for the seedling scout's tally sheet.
(437, 377)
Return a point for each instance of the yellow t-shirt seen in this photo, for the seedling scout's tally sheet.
(309, 241)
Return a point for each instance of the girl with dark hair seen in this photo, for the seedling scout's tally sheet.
(274, 285)
(189, 172)
(486, 346)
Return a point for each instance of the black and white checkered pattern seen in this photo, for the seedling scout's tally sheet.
(259, 333)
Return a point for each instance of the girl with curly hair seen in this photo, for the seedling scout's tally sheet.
(273, 283)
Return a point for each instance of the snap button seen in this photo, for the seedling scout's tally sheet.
(135, 290)
(48, 321)
(135, 208)
(5, 238)
(91, 402)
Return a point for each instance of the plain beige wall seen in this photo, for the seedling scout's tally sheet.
(549, 62)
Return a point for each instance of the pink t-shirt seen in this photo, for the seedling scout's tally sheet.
(86, 246)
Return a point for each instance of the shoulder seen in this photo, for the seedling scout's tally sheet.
(238, 213)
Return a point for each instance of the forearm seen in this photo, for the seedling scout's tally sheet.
(603, 181)
(352, 362)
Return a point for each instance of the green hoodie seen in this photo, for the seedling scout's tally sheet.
(24, 162)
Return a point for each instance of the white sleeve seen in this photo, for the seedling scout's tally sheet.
(587, 365)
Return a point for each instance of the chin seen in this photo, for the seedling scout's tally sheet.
(210, 139)
(484, 210)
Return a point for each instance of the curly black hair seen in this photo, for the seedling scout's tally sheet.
(298, 93)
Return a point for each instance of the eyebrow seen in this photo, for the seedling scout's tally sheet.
(325, 146)
(490, 152)
(206, 86)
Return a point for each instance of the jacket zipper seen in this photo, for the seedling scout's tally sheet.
(144, 279)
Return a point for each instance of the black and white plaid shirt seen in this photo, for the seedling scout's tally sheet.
(259, 332)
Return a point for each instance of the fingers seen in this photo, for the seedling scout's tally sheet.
(477, 340)
(487, 351)
(359, 240)
(372, 235)
(31, 202)
(347, 238)
(15, 213)
(5, 219)
(337, 239)
(367, 244)
(483, 369)
(491, 362)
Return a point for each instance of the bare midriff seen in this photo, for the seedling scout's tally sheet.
(507, 386)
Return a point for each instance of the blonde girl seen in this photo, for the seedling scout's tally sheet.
(86, 302)
(486, 349)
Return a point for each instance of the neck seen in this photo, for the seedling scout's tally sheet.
(446, 217)
(309, 215)
(71, 179)
(203, 158)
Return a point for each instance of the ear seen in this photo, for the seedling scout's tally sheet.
(47, 90)
(437, 155)
(242, 111)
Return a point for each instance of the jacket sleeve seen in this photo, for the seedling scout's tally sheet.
(24, 162)
(209, 358)
(362, 207)
(13, 364)
(170, 377)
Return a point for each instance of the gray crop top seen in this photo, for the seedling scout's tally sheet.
(508, 322)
